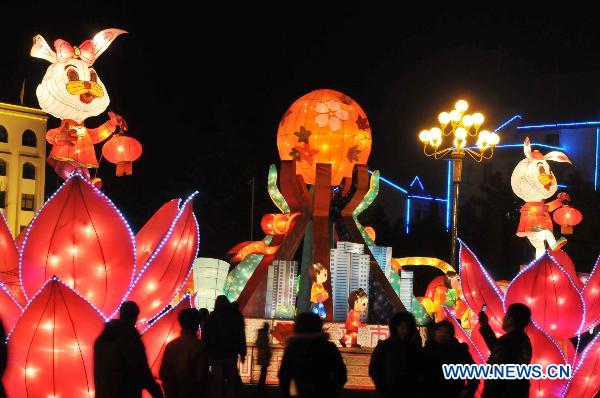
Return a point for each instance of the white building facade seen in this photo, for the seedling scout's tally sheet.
(282, 289)
(349, 267)
(209, 280)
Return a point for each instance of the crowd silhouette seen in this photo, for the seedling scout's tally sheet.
(203, 360)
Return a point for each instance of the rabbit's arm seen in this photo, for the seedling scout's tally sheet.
(62, 135)
(103, 131)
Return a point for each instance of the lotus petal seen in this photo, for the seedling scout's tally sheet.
(556, 303)
(545, 351)
(591, 297)
(80, 237)
(153, 232)
(479, 288)
(162, 330)
(52, 346)
(10, 310)
(585, 382)
(9, 262)
(169, 266)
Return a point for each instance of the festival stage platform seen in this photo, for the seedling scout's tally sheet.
(356, 359)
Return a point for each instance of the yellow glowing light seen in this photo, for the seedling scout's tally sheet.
(444, 118)
(48, 326)
(461, 105)
(155, 303)
(74, 250)
(53, 260)
(494, 139)
(467, 120)
(424, 136)
(30, 371)
(151, 286)
(478, 119)
(88, 229)
(460, 133)
(455, 116)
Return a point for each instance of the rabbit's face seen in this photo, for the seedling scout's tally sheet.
(72, 90)
(533, 181)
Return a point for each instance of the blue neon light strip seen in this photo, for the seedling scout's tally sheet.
(426, 198)
(560, 125)
(521, 146)
(509, 121)
(449, 183)
(417, 179)
(390, 183)
(596, 166)
(407, 216)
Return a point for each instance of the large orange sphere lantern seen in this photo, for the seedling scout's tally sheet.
(324, 126)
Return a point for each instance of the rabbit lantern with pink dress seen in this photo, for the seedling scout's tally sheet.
(72, 91)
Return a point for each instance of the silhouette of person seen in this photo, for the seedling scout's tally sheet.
(226, 341)
(514, 347)
(3, 357)
(120, 363)
(396, 361)
(203, 314)
(264, 354)
(311, 366)
(443, 348)
(184, 368)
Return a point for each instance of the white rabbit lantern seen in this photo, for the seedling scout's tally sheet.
(533, 181)
(72, 91)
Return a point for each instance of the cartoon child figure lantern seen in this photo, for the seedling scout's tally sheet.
(533, 181)
(358, 301)
(318, 294)
(72, 91)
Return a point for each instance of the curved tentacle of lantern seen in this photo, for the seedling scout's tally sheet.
(122, 150)
(162, 330)
(9, 262)
(168, 268)
(585, 382)
(479, 288)
(238, 276)
(82, 238)
(561, 313)
(545, 351)
(364, 204)
(274, 192)
(51, 347)
(591, 297)
(10, 309)
(153, 232)
(275, 225)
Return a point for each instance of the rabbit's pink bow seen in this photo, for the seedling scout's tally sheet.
(88, 51)
(65, 51)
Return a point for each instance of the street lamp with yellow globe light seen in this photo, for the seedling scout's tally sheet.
(456, 128)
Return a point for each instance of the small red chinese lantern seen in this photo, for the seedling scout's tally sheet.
(567, 217)
(122, 150)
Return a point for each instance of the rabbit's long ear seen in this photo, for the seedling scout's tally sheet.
(41, 49)
(103, 39)
(557, 156)
(527, 148)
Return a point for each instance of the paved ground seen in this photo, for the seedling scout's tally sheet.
(250, 392)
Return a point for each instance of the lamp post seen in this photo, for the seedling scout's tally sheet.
(459, 127)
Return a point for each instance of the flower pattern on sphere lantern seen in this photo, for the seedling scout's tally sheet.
(324, 126)
(122, 151)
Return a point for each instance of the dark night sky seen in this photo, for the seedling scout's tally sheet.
(204, 88)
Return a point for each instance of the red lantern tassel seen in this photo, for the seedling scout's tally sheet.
(124, 168)
(566, 229)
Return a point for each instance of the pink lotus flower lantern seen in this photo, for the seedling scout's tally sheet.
(560, 308)
(75, 265)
